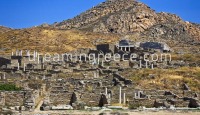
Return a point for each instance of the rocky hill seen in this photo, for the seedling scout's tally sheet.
(114, 18)
(4, 29)
(131, 16)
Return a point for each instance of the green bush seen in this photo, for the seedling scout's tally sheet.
(9, 87)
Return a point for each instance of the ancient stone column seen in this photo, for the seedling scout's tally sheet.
(139, 94)
(109, 96)
(34, 54)
(120, 94)
(4, 76)
(146, 64)
(152, 66)
(106, 91)
(95, 75)
(124, 97)
(21, 52)
(16, 52)
(102, 64)
(38, 59)
(24, 67)
(135, 95)
(18, 66)
(27, 53)
(140, 63)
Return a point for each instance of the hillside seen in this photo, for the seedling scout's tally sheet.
(4, 29)
(130, 16)
(153, 62)
(106, 22)
(50, 40)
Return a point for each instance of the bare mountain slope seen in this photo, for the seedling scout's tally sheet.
(130, 16)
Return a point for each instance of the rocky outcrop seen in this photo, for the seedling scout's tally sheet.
(95, 14)
(131, 16)
(116, 16)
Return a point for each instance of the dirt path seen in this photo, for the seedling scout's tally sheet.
(76, 112)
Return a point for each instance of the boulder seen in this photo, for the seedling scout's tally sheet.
(103, 100)
(193, 103)
(165, 104)
(74, 98)
(157, 104)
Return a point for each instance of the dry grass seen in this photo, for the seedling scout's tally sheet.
(51, 40)
(166, 78)
(186, 57)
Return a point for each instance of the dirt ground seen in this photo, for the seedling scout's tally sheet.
(112, 113)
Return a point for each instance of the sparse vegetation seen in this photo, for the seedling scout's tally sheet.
(186, 57)
(51, 40)
(134, 106)
(166, 78)
(35, 84)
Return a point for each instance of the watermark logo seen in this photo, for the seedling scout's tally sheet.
(100, 58)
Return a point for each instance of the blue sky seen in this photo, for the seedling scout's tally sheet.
(27, 13)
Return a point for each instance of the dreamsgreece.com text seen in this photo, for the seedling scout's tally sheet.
(97, 58)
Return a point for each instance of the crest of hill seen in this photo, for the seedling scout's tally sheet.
(4, 29)
(131, 16)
